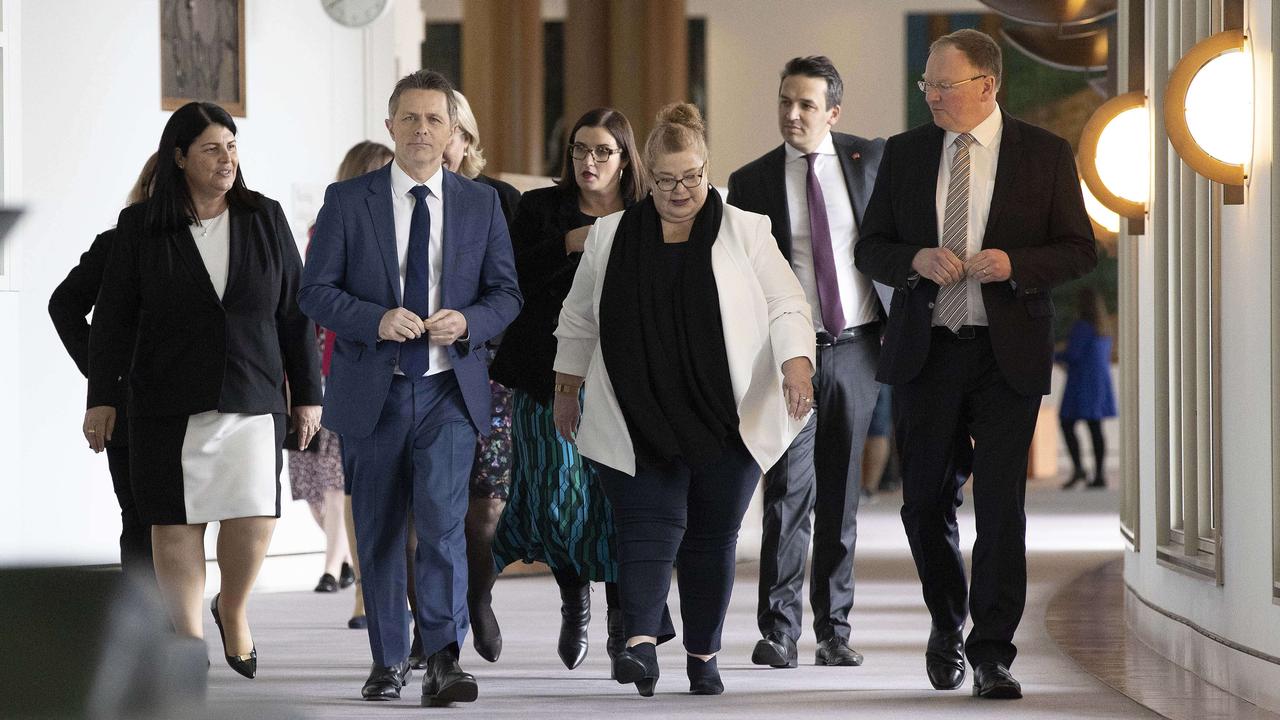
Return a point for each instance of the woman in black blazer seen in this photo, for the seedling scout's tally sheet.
(491, 471)
(69, 306)
(558, 512)
(204, 275)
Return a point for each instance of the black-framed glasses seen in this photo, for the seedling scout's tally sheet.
(925, 85)
(601, 153)
(689, 181)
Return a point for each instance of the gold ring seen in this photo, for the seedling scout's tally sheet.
(92, 432)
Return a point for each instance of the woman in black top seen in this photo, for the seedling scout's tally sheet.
(558, 513)
(204, 275)
(69, 306)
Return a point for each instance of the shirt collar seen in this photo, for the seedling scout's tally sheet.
(984, 133)
(401, 183)
(826, 147)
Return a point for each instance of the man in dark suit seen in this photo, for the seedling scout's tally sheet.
(814, 188)
(411, 268)
(974, 219)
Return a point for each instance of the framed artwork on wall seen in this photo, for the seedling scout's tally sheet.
(202, 53)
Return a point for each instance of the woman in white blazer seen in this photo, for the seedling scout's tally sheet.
(695, 343)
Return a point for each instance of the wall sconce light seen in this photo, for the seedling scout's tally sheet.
(1208, 110)
(1105, 221)
(1114, 155)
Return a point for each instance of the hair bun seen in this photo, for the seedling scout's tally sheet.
(683, 114)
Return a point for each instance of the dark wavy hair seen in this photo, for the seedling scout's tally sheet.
(170, 207)
(634, 184)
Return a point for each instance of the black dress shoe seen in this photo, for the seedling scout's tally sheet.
(346, 576)
(944, 659)
(638, 664)
(575, 617)
(446, 683)
(384, 682)
(358, 622)
(327, 584)
(617, 636)
(704, 676)
(246, 665)
(776, 649)
(992, 680)
(417, 658)
(486, 635)
(835, 652)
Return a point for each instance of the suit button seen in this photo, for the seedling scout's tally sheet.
(930, 306)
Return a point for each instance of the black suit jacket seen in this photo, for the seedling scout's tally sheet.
(194, 352)
(761, 185)
(1037, 216)
(71, 303)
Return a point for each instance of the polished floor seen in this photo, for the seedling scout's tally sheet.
(311, 666)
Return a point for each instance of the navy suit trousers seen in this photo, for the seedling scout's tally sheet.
(417, 458)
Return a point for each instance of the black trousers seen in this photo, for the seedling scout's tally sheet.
(821, 473)
(135, 535)
(686, 517)
(961, 392)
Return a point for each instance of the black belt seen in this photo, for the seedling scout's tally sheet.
(966, 332)
(826, 339)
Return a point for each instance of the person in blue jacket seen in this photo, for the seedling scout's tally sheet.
(1088, 395)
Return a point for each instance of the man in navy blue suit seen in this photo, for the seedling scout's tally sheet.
(411, 268)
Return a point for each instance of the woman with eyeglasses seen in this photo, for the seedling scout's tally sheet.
(557, 513)
(695, 343)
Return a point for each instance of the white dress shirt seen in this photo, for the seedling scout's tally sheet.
(983, 155)
(402, 202)
(857, 294)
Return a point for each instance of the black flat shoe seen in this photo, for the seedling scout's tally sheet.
(486, 635)
(992, 680)
(638, 664)
(446, 683)
(944, 659)
(575, 617)
(246, 665)
(704, 676)
(358, 622)
(385, 681)
(327, 584)
(835, 652)
(776, 649)
(346, 576)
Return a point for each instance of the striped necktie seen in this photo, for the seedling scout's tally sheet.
(953, 300)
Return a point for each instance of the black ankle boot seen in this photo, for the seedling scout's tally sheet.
(617, 641)
(638, 664)
(486, 635)
(704, 676)
(575, 616)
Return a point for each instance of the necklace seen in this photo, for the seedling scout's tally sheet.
(210, 224)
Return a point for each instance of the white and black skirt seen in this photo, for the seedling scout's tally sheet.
(206, 467)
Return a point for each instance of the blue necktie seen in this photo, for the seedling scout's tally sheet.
(417, 282)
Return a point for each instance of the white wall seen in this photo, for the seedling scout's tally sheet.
(89, 105)
(748, 42)
(1241, 610)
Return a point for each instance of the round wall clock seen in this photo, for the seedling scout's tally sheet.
(355, 13)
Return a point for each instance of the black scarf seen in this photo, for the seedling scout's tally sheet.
(672, 383)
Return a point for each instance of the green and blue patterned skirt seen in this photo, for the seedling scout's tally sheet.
(557, 512)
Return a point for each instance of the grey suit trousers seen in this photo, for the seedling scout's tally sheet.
(821, 473)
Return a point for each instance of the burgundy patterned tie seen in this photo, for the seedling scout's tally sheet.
(824, 261)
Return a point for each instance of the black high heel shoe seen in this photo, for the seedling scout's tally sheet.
(638, 664)
(246, 665)
(704, 676)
